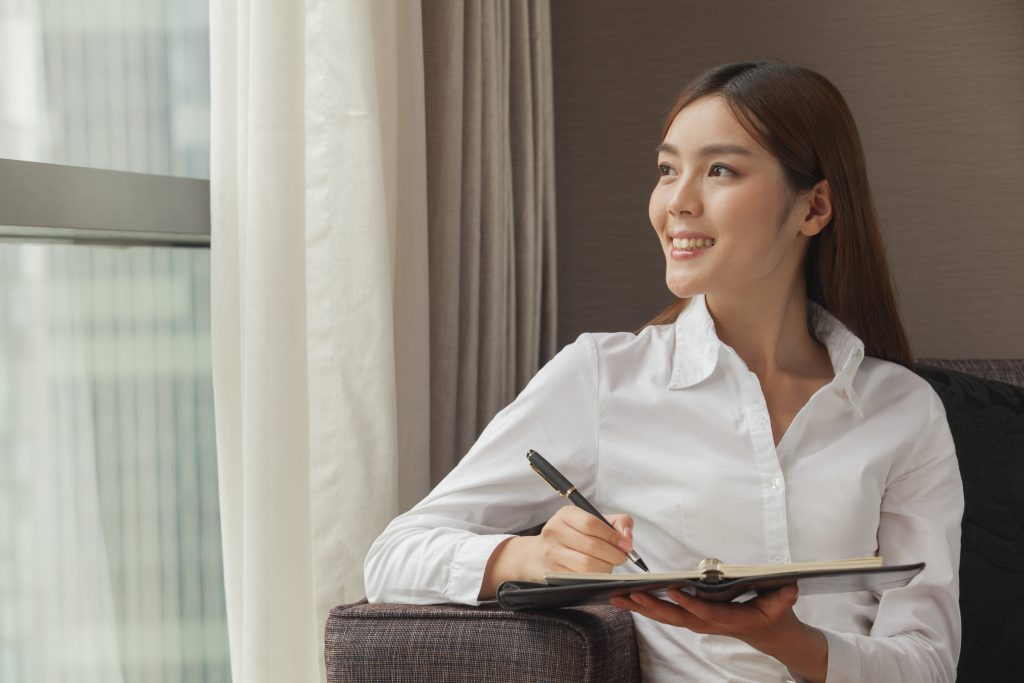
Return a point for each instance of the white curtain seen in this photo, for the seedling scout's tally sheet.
(319, 295)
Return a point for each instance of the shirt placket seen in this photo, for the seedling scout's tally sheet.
(770, 476)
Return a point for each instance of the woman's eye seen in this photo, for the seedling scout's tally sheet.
(724, 168)
(664, 169)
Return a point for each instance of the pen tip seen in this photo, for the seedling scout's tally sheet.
(640, 563)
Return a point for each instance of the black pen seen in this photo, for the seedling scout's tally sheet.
(565, 489)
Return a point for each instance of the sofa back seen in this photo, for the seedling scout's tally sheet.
(984, 403)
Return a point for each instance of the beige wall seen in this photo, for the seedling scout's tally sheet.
(937, 90)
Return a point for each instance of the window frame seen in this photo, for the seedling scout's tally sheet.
(79, 205)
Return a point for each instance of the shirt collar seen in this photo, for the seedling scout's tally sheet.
(697, 347)
(845, 349)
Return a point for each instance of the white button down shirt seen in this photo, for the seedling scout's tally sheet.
(671, 427)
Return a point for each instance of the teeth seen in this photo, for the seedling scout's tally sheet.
(684, 243)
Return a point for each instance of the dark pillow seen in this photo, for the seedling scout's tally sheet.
(987, 421)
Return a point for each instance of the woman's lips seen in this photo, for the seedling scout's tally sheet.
(684, 255)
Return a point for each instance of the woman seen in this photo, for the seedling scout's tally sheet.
(769, 416)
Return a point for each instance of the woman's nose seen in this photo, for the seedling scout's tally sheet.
(685, 198)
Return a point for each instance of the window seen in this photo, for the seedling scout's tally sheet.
(121, 86)
(110, 558)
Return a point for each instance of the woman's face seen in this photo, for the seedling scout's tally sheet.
(718, 212)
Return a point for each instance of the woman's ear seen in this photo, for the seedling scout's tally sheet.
(819, 208)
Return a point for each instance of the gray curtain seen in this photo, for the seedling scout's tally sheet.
(491, 199)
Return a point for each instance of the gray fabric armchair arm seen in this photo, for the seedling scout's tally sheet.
(407, 643)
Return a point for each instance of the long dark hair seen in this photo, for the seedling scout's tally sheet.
(800, 117)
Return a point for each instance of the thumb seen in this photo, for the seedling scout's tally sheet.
(624, 525)
(777, 602)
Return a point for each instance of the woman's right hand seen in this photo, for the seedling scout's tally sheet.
(571, 541)
(576, 541)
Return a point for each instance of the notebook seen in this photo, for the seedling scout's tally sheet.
(711, 580)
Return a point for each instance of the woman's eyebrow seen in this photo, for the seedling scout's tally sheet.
(706, 150)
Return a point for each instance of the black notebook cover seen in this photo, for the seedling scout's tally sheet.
(528, 595)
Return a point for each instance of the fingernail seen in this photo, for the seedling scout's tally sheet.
(628, 532)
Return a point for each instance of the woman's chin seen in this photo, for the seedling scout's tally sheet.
(683, 288)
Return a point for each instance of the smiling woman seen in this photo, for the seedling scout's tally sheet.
(791, 156)
(699, 198)
(723, 427)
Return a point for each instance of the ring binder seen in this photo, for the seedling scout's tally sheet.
(710, 570)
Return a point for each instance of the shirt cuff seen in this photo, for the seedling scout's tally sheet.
(843, 660)
(467, 570)
(844, 665)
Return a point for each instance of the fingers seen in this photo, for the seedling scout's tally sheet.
(589, 525)
(624, 525)
(728, 618)
(580, 542)
(774, 604)
(659, 610)
(765, 608)
(708, 612)
(570, 560)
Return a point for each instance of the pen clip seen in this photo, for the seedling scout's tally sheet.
(563, 494)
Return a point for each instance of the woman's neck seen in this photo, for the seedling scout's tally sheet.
(770, 332)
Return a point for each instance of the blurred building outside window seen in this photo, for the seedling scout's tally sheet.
(110, 557)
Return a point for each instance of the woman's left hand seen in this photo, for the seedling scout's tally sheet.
(750, 621)
(766, 623)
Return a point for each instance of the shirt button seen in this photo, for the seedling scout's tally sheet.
(774, 482)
